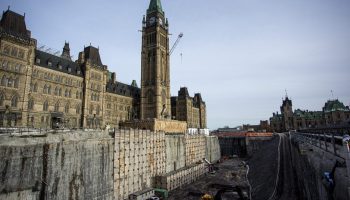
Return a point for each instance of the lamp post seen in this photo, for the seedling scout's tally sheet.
(346, 144)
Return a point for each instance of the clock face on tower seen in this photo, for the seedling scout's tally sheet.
(152, 20)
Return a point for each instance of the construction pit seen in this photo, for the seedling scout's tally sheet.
(227, 179)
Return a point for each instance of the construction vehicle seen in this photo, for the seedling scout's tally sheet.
(207, 197)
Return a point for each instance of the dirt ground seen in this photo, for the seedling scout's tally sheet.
(231, 172)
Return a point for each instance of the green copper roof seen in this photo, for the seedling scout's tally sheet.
(334, 105)
(155, 5)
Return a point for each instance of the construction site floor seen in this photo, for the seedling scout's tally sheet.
(231, 172)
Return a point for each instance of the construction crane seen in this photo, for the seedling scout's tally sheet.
(176, 43)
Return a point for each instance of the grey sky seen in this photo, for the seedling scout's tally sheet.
(240, 54)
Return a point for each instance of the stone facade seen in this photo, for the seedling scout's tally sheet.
(333, 114)
(166, 125)
(189, 109)
(44, 90)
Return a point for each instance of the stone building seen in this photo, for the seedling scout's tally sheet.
(334, 113)
(189, 109)
(41, 89)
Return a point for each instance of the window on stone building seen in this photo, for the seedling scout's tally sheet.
(3, 64)
(47, 120)
(98, 110)
(2, 99)
(66, 108)
(57, 107)
(17, 67)
(4, 80)
(77, 109)
(66, 93)
(46, 106)
(30, 104)
(14, 101)
(10, 82)
(14, 52)
(60, 92)
(44, 89)
(16, 83)
(21, 53)
(56, 91)
(81, 95)
(70, 93)
(42, 119)
(91, 110)
(7, 49)
(49, 89)
(77, 95)
(36, 87)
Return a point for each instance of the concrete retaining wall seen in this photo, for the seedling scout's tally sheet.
(97, 165)
(63, 166)
(212, 150)
(310, 164)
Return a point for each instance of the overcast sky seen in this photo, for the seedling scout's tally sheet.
(240, 54)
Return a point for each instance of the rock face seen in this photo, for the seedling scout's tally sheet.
(95, 165)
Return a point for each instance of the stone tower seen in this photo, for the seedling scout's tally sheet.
(287, 114)
(155, 69)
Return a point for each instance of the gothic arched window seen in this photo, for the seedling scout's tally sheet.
(35, 87)
(57, 107)
(2, 99)
(66, 108)
(150, 96)
(46, 106)
(14, 101)
(30, 104)
(91, 109)
(4, 81)
(16, 82)
(98, 110)
(77, 109)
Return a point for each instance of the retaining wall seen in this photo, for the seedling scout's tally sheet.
(98, 165)
(57, 166)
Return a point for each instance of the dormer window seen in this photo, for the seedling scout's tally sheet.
(37, 60)
(69, 69)
(49, 63)
(78, 72)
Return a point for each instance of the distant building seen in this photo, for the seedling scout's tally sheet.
(333, 114)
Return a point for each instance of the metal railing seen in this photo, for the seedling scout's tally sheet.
(332, 143)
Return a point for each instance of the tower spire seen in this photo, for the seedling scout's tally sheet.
(155, 5)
